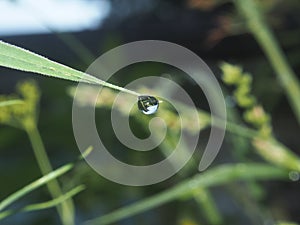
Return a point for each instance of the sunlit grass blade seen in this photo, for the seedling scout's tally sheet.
(44, 205)
(18, 58)
(21, 59)
(11, 102)
(217, 176)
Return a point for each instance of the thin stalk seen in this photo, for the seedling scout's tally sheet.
(34, 185)
(11, 102)
(44, 205)
(66, 209)
(217, 176)
(40, 182)
(207, 203)
(113, 86)
(219, 122)
(265, 37)
(234, 128)
(202, 196)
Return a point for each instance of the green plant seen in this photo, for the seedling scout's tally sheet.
(24, 116)
(264, 141)
(18, 58)
(252, 12)
(12, 198)
(26, 119)
(254, 128)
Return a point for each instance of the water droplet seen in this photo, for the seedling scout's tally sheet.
(294, 175)
(147, 104)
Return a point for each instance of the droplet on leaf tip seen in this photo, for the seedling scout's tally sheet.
(147, 104)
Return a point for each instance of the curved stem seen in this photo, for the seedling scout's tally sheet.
(34, 185)
(66, 209)
(41, 181)
(44, 205)
(265, 37)
(220, 175)
(11, 102)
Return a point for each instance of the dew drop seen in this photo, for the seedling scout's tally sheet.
(294, 175)
(147, 104)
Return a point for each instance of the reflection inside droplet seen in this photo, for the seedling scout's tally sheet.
(147, 104)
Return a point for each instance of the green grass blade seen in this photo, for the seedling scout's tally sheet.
(44, 205)
(34, 185)
(21, 59)
(55, 201)
(11, 102)
(66, 209)
(40, 182)
(207, 204)
(255, 20)
(217, 176)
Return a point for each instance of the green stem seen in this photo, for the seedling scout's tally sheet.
(43, 205)
(41, 181)
(202, 196)
(242, 131)
(217, 176)
(66, 209)
(207, 204)
(34, 185)
(264, 36)
(76, 46)
(11, 102)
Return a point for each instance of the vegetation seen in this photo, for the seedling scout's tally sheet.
(73, 187)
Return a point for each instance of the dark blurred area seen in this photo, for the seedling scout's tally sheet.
(210, 28)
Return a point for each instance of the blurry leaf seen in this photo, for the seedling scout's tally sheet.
(213, 177)
(10, 102)
(21, 59)
(44, 205)
(40, 182)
